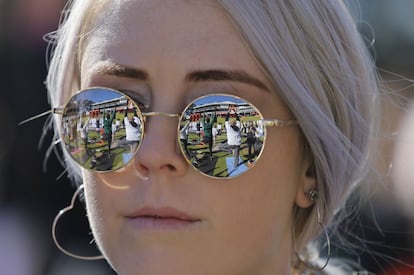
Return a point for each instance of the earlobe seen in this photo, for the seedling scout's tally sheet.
(307, 191)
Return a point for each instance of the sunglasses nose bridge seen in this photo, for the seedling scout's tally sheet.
(159, 114)
(176, 118)
(158, 151)
(149, 114)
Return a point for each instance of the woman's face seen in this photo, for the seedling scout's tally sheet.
(158, 215)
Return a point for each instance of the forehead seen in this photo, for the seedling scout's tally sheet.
(133, 32)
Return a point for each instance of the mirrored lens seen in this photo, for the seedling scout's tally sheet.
(221, 135)
(101, 129)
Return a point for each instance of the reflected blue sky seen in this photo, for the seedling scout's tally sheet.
(98, 95)
(218, 99)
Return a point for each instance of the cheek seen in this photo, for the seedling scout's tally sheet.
(93, 202)
(283, 155)
(256, 208)
(99, 208)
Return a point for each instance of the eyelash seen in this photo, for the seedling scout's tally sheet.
(138, 98)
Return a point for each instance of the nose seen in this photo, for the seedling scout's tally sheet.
(159, 154)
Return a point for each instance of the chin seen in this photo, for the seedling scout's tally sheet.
(152, 261)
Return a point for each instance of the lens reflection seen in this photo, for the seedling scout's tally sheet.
(221, 135)
(101, 129)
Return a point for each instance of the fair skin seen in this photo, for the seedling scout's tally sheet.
(237, 226)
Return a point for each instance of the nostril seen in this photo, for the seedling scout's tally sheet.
(171, 167)
(141, 171)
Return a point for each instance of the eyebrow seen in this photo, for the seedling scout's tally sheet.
(194, 76)
(123, 71)
(221, 75)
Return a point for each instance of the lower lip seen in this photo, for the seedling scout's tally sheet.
(150, 223)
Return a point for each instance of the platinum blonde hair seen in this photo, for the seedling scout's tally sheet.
(317, 61)
(64, 65)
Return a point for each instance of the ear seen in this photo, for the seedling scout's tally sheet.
(307, 182)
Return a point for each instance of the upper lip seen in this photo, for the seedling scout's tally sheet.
(162, 212)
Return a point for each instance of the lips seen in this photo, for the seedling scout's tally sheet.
(164, 218)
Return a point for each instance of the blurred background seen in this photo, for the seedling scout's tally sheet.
(31, 195)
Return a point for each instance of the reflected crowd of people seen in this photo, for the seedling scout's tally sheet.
(220, 138)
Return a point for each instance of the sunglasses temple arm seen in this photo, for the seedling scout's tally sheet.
(35, 117)
(279, 123)
(53, 111)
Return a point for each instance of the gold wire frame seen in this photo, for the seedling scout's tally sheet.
(143, 115)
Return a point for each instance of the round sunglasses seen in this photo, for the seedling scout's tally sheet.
(220, 135)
